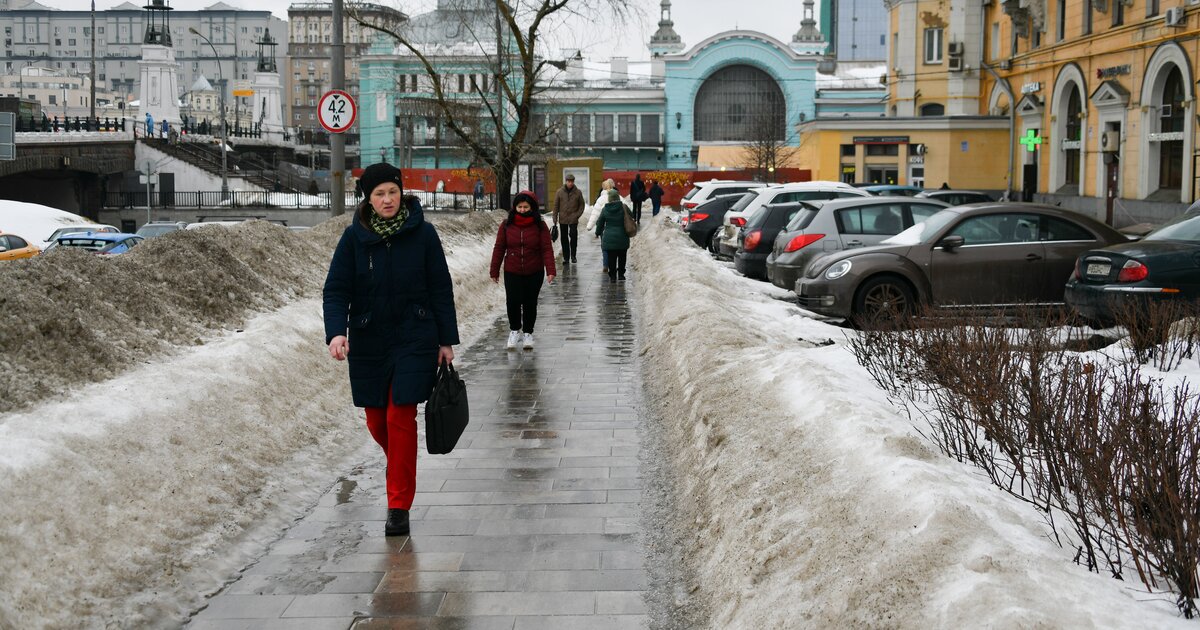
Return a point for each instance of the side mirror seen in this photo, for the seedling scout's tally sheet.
(952, 242)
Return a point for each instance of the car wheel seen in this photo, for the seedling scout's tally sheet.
(883, 297)
(714, 243)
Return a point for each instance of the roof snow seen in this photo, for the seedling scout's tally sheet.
(202, 85)
(126, 6)
(220, 6)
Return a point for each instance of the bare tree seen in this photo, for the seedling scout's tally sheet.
(766, 149)
(496, 130)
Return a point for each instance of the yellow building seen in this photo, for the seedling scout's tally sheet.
(1105, 96)
(935, 130)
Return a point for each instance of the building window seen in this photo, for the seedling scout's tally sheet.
(1074, 132)
(995, 41)
(52, 99)
(649, 133)
(739, 102)
(848, 150)
(627, 128)
(1061, 20)
(1087, 18)
(933, 45)
(462, 83)
(883, 150)
(604, 128)
(933, 109)
(70, 42)
(1118, 13)
(581, 129)
(1151, 8)
(1171, 115)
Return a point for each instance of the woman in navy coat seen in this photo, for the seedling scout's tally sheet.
(389, 309)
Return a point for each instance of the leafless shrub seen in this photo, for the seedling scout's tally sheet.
(1162, 332)
(1110, 459)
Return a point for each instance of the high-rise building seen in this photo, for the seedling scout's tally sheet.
(37, 35)
(855, 29)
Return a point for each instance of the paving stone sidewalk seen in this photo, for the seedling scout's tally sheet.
(532, 522)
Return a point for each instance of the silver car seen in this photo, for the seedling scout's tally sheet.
(834, 225)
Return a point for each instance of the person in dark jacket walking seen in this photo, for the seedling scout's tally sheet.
(656, 194)
(523, 245)
(613, 238)
(637, 194)
(389, 296)
(567, 211)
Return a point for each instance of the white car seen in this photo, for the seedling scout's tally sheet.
(703, 191)
(744, 209)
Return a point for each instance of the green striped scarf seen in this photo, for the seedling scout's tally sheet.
(387, 227)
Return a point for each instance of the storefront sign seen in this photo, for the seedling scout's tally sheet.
(1030, 88)
(1115, 71)
(1170, 136)
(880, 139)
(1071, 145)
(848, 169)
(916, 159)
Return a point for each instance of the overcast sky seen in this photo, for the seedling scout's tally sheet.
(695, 20)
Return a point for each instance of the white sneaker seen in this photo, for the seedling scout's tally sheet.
(528, 341)
(514, 337)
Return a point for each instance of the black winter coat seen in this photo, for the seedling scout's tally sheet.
(396, 298)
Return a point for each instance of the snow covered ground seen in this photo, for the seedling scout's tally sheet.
(808, 500)
(123, 503)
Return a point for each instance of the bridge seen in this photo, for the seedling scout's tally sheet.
(66, 170)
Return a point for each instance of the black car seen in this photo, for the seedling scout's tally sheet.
(956, 197)
(703, 222)
(1165, 265)
(757, 239)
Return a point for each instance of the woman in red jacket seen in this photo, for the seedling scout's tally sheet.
(523, 243)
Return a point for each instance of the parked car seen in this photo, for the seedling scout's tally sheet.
(80, 228)
(158, 228)
(703, 222)
(703, 191)
(956, 197)
(841, 224)
(740, 213)
(105, 243)
(893, 190)
(982, 255)
(1163, 265)
(13, 247)
(755, 241)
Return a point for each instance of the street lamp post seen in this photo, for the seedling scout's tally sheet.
(224, 125)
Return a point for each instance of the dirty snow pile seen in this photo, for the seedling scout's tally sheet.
(806, 499)
(175, 408)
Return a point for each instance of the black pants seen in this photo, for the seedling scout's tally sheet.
(570, 240)
(521, 293)
(616, 262)
(637, 211)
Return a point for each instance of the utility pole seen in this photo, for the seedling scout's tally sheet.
(337, 141)
(92, 115)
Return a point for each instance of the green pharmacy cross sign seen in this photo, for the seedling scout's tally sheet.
(1031, 140)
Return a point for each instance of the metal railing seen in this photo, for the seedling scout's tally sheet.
(431, 202)
(43, 124)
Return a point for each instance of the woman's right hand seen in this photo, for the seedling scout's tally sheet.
(339, 347)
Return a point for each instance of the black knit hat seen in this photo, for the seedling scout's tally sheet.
(377, 174)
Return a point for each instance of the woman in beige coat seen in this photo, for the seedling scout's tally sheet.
(596, 209)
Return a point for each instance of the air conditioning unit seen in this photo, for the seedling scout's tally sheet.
(956, 64)
(1110, 142)
(1176, 16)
(956, 49)
(1006, 64)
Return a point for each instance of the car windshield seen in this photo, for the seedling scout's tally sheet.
(90, 244)
(923, 230)
(802, 219)
(79, 229)
(745, 201)
(692, 193)
(1185, 227)
(156, 230)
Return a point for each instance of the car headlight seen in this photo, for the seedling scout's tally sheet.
(838, 270)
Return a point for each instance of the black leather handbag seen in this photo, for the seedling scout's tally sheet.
(446, 413)
(554, 233)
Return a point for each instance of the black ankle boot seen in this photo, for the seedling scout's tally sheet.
(397, 523)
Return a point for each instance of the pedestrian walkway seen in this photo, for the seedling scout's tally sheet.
(532, 522)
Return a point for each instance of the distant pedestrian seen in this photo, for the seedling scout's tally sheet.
(594, 214)
(637, 194)
(149, 125)
(478, 193)
(656, 194)
(567, 211)
(945, 186)
(613, 238)
(523, 245)
(165, 128)
(389, 293)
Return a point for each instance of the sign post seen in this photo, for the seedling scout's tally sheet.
(337, 112)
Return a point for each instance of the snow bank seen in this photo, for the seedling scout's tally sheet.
(126, 502)
(807, 500)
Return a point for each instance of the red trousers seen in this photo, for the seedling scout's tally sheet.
(395, 430)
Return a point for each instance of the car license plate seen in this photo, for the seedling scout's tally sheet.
(1098, 269)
